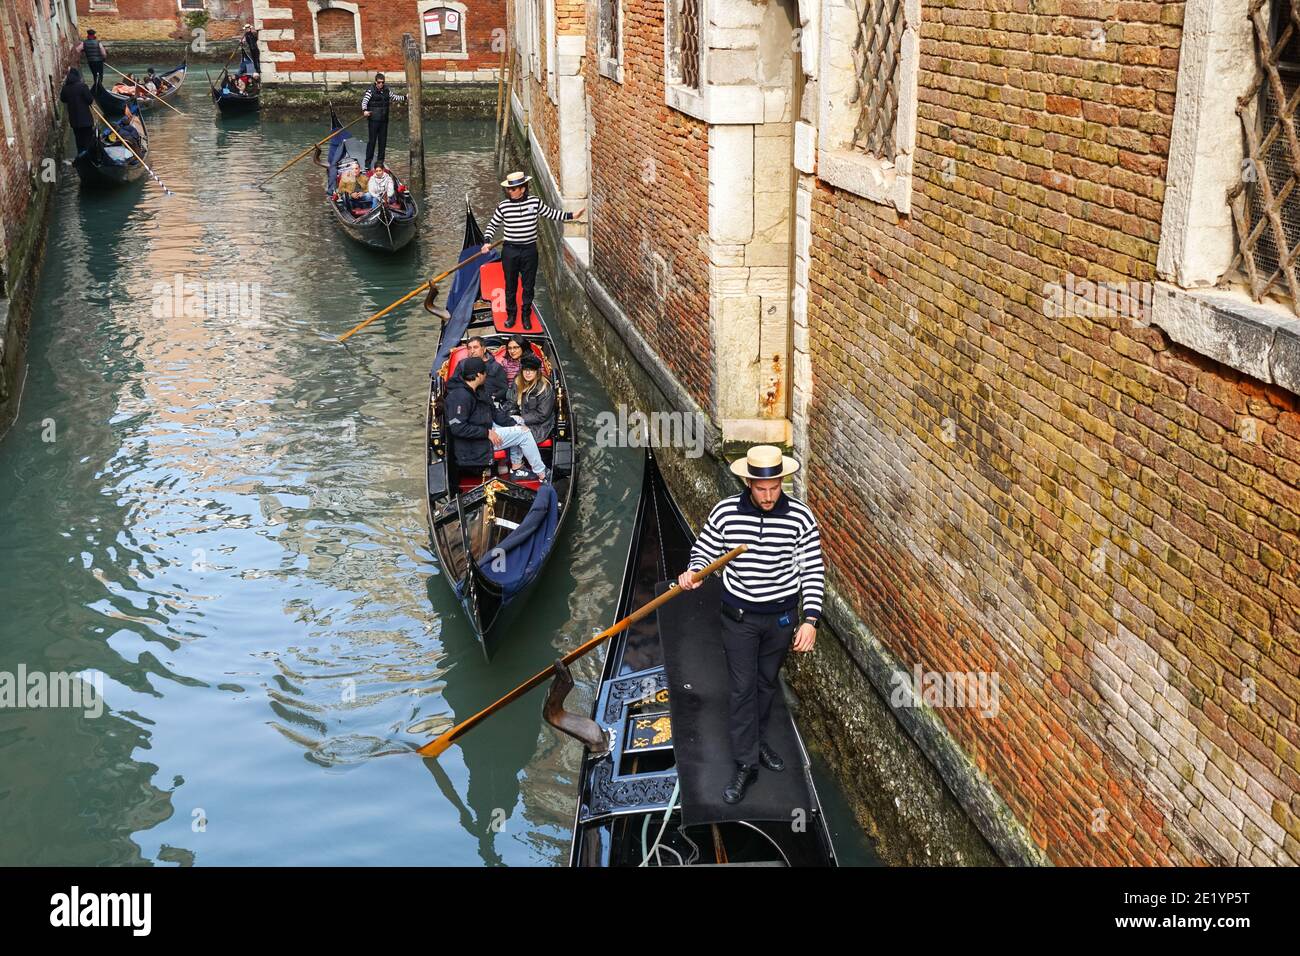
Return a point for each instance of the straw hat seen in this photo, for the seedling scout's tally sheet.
(516, 179)
(764, 461)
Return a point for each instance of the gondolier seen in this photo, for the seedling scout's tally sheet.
(76, 94)
(250, 43)
(517, 214)
(95, 53)
(374, 104)
(761, 593)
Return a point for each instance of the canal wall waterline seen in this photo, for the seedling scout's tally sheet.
(917, 793)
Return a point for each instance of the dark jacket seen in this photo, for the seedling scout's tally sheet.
(94, 52)
(77, 95)
(377, 101)
(469, 418)
(497, 383)
(537, 411)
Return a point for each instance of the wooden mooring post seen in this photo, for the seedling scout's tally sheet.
(415, 123)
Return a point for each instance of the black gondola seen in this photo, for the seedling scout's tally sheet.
(225, 92)
(492, 534)
(378, 225)
(109, 163)
(660, 712)
(113, 103)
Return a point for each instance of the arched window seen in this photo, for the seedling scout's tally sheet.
(442, 25)
(337, 29)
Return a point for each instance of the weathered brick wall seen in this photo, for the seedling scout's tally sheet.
(650, 201)
(382, 24)
(1105, 520)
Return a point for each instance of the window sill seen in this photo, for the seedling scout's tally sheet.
(718, 105)
(336, 56)
(444, 56)
(610, 69)
(867, 176)
(1261, 339)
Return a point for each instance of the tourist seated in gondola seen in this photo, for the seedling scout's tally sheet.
(531, 403)
(478, 426)
(496, 375)
(129, 129)
(126, 86)
(150, 81)
(512, 356)
(383, 187)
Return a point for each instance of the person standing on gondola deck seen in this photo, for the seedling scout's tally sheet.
(95, 53)
(76, 94)
(761, 591)
(374, 105)
(250, 44)
(518, 214)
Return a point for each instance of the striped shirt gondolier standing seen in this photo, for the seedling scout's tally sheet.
(374, 106)
(517, 214)
(761, 591)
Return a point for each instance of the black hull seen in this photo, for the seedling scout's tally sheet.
(113, 104)
(235, 105)
(107, 175)
(619, 799)
(375, 234)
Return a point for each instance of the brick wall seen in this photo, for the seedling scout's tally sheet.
(382, 24)
(1105, 520)
(168, 9)
(650, 201)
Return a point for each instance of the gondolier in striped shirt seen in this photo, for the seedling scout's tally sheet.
(761, 593)
(374, 106)
(517, 214)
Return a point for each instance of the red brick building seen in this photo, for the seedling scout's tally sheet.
(1018, 289)
(312, 41)
(166, 9)
(36, 43)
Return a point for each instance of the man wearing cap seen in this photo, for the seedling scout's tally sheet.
(761, 592)
(479, 425)
(518, 214)
(95, 53)
(374, 104)
(250, 42)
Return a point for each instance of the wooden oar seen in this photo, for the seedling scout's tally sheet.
(139, 87)
(316, 145)
(414, 292)
(435, 747)
(121, 139)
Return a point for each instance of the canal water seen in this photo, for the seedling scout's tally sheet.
(221, 510)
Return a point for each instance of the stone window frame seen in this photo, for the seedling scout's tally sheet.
(314, 8)
(692, 102)
(552, 81)
(883, 180)
(6, 113)
(180, 6)
(423, 6)
(610, 67)
(1195, 301)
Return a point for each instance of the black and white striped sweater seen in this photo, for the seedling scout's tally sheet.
(519, 216)
(784, 556)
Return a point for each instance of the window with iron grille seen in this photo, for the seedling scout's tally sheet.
(875, 63)
(685, 26)
(609, 42)
(192, 4)
(1266, 202)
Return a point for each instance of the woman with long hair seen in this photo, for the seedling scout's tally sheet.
(532, 402)
(512, 356)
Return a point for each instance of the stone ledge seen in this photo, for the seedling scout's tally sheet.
(718, 105)
(866, 176)
(1261, 339)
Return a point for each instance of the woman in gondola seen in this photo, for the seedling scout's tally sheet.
(531, 403)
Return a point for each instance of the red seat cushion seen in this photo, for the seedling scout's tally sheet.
(500, 453)
(458, 353)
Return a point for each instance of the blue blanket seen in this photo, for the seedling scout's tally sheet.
(514, 562)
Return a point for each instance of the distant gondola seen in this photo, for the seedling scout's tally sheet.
(113, 103)
(380, 226)
(226, 95)
(652, 778)
(108, 163)
(491, 533)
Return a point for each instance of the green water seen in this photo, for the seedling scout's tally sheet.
(224, 515)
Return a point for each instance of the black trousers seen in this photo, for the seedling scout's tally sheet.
(519, 262)
(756, 648)
(85, 137)
(96, 71)
(376, 141)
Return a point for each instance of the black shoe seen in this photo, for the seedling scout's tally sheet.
(769, 758)
(734, 792)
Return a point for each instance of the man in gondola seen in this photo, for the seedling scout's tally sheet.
(96, 53)
(76, 94)
(517, 215)
(249, 40)
(479, 425)
(761, 593)
(374, 105)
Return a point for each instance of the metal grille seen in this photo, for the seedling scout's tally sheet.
(875, 65)
(688, 43)
(1266, 202)
(609, 30)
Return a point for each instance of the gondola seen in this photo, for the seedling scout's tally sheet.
(378, 226)
(492, 534)
(108, 163)
(229, 101)
(113, 103)
(657, 754)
